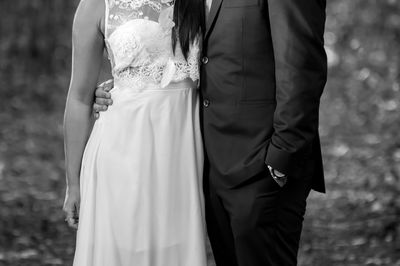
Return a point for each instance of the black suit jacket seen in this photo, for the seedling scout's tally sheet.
(264, 69)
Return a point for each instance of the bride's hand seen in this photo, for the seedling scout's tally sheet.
(71, 206)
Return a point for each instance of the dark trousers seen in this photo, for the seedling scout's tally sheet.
(256, 223)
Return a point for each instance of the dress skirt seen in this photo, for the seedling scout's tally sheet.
(141, 182)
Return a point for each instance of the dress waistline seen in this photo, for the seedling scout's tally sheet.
(133, 87)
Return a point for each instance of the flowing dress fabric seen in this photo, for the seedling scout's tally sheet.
(141, 176)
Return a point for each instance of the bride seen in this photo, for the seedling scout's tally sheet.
(134, 177)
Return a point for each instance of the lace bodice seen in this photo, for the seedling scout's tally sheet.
(138, 40)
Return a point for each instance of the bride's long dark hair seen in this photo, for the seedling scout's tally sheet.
(189, 19)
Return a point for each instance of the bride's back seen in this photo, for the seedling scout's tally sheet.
(139, 44)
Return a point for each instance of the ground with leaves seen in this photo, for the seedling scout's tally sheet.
(356, 223)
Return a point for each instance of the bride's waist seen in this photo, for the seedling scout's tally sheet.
(139, 86)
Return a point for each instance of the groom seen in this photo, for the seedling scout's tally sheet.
(263, 72)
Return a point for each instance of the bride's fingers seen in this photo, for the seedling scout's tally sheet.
(72, 221)
(69, 212)
(72, 215)
(75, 222)
(72, 218)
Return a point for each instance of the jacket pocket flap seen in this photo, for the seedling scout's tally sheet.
(241, 3)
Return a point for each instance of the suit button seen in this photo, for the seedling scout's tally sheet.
(204, 60)
(206, 103)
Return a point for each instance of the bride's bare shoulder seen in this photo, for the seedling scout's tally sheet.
(90, 13)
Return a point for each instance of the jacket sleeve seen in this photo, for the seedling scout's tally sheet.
(297, 28)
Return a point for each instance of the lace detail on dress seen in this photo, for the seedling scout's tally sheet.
(136, 4)
(189, 67)
(138, 40)
(162, 74)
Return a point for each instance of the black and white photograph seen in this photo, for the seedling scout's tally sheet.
(199, 132)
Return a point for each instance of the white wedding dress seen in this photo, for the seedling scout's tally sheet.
(141, 176)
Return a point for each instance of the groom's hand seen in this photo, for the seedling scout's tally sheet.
(279, 178)
(103, 97)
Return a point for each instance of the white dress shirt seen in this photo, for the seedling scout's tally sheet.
(208, 6)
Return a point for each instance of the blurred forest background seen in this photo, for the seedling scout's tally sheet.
(356, 223)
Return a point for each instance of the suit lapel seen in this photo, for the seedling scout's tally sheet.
(215, 6)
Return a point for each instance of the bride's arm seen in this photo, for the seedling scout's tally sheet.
(87, 51)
